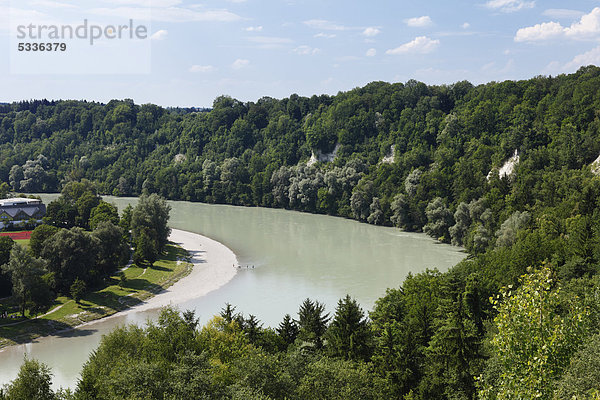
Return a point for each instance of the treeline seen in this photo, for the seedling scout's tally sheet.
(82, 242)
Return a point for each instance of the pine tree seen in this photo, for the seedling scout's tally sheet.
(348, 335)
(252, 328)
(288, 330)
(453, 355)
(312, 321)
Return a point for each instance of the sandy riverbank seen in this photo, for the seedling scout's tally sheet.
(213, 267)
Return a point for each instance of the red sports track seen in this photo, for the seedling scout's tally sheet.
(17, 235)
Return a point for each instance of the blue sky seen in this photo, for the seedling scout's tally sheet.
(251, 48)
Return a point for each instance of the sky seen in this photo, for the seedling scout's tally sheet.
(197, 50)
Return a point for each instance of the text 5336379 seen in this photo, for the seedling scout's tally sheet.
(35, 46)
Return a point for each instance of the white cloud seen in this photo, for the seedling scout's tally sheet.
(171, 14)
(371, 53)
(509, 5)
(563, 13)
(325, 35)
(419, 22)
(587, 58)
(306, 50)
(591, 57)
(324, 25)
(466, 25)
(202, 68)
(254, 29)
(160, 35)
(371, 31)
(240, 63)
(588, 27)
(543, 31)
(420, 45)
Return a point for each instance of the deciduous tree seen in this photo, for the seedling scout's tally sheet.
(28, 285)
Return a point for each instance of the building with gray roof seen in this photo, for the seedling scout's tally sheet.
(20, 210)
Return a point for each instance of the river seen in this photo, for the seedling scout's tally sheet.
(295, 256)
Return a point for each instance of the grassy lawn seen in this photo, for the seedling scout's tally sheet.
(23, 242)
(140, 284)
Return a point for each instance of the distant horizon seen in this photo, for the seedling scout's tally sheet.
(104, 102)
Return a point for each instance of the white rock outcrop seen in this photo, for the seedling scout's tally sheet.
(323, 157)
(179, 158)
(596, 166)
(391, 156)
(508, 168)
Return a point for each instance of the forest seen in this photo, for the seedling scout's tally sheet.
(506, 169)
